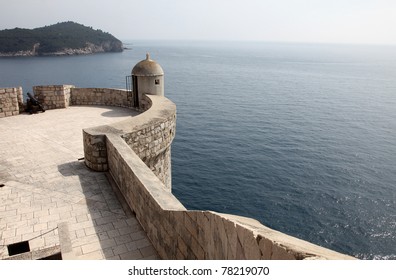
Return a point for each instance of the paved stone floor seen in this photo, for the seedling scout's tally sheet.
(46, 184)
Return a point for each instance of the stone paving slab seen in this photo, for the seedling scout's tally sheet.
(46, 184)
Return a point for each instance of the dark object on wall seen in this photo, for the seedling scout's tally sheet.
(33, 105)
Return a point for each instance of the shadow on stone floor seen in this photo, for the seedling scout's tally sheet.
(102, 225)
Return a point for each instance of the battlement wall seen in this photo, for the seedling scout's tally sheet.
(136, 153)
(53, 96)
(102, 96)
(63, 96)
(11, 101)
(149, 135)
(176, 232)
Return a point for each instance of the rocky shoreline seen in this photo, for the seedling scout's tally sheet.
(89, 49)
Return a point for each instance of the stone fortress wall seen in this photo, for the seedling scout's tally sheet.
(136, 154)
(54, 96)
(178, 233)
(11, 101)
(102, 96)
(60, 96)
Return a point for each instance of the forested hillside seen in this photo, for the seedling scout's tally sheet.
(57, 38)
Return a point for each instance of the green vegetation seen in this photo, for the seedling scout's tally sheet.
(55, 38)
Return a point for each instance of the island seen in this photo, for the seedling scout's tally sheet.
(65, 38)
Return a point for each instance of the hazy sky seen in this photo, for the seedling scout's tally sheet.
(333, 21)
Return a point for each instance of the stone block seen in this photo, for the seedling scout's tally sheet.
(265, 246)
(280, 253)
(190, 225)
(230, 230)
(197, 249)
(181, 245)
(179, 255)
(249, 242)
(219, 237)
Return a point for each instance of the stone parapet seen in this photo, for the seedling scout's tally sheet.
(136, 153)
(11, 101)
(176, 232)
(95, 153)
(101, 96)
(63, 96)
(53, 96)
(151, 140)
(181, 234)
(149, 134)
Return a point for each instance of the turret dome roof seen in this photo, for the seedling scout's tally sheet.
(147, 67)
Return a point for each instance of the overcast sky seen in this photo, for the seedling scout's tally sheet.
(332, 21)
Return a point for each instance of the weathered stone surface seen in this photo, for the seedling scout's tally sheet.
(101, 96)
(11, 101)
(265, 246)
(231, 237)
(250, 244)
(53, 96)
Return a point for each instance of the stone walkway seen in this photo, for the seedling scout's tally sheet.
(43, 184)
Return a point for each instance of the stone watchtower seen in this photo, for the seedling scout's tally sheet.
(149, 135)
(148, 85)
(147, 78)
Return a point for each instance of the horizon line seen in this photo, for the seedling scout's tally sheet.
(261, 41)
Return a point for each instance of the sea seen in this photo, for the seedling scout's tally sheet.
(301, 137)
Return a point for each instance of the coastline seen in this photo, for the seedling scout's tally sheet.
(64, 52)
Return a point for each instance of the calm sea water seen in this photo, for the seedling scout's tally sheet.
(300, 137)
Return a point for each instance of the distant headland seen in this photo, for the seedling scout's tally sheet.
(65, 38)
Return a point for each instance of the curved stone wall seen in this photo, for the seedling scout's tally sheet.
(149, 138)
(149, 134)
(151, 142)
(175, 232)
